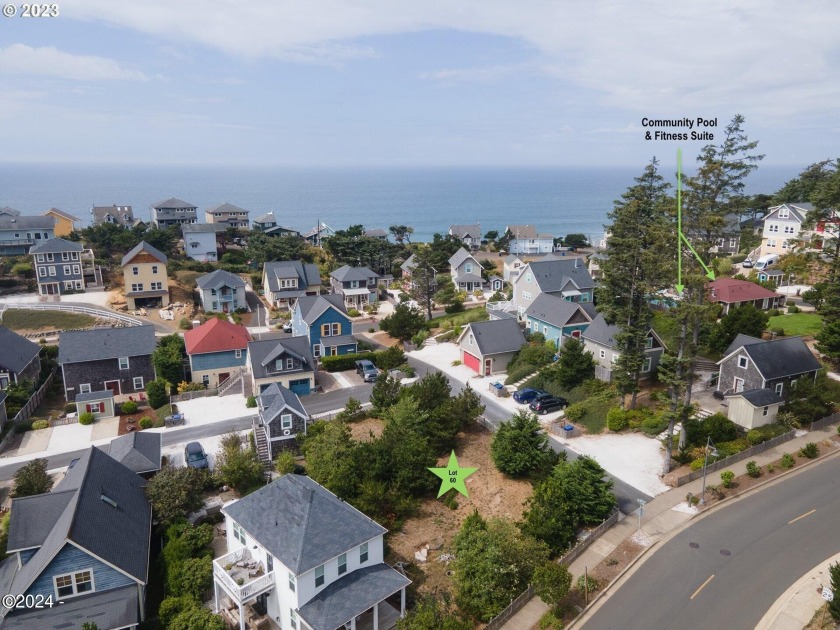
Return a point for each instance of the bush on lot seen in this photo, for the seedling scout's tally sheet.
(753, 469)
(86, 418)
(726, 477)
(146, 423)
(40, 424)
(251, 402)
(697, 464)
(755, 437)
(810, 450)
(617, 419)
(383, 359)
(129, 407)
(793, 308)
(583, 583)
(70, 408)
(520, 372)
(787, 461)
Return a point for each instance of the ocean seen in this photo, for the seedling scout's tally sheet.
(558, 201)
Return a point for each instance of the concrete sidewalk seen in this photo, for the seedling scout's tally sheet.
(795, 608)
(659, 517)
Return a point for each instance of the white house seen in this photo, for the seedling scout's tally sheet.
(524, 239)
(783, 228)
(304, 559)
(200, 240)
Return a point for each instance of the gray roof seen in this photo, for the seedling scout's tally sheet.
(338, 340)
(376, 233)
(266, 218)
(301, 523)
(77, 346)
(740, 340)
(54, 246)
(600, 332)
(26, 222)
(496, 336)
(62, 213)
(207, 228)
(798, 210)
(35, 518)
(275, 399)
(347, 273)
(553, 275)
(787, 356)
(123, 214)
(18, 351)
(554, 310)
(174, 204)
(460, 256)
(313, 306)
(89, 396)
(87, 520)
(143, 246)
(224, 208)
(294, 346)
(462, 231)
(511, 258)
(115, 608)
(9, 211)
(525, 231)
(352, 595)
(219, 278)
(138, 451)
(468, 277)
(307, 274)
(760, 397)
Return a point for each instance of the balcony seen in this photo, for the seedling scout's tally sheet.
(242, 577)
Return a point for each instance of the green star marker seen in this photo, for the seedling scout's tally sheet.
(453, 476)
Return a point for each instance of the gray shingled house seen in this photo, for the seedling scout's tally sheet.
(86, 544)
(282, 418)
(567, 278)
(303, 558)
(287, 362)
(599, 339)
(487, 347)
(118, 359)
(20, 359)
(357, 285)
(173, 211)
(465, 271)
(287, 280)
(139, 451)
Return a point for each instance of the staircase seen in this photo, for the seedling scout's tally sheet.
(233, 385)
(263, 452)
(705, 365)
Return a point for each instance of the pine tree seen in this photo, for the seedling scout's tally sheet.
(834, 606)
(574, 364)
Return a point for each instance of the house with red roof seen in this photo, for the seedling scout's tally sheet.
(732, 293)
(218, 350)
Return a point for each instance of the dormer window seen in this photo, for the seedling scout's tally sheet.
(286, 421)
(468, 268)
(73, 584)
(319, 576)
(743, 362)
(649, 343)
(528, 277)
(783, 213)
(290, 364)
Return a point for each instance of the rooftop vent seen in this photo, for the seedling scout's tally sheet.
(106, 499)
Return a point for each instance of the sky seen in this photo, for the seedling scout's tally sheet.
(373, 83)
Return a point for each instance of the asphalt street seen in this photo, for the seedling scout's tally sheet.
(728, 568)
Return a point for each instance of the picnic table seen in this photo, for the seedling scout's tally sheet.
(174, 420)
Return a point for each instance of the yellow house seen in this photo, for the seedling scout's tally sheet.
(144, 273)
(64, 221)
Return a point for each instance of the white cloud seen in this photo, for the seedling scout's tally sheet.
(49, 61)
(470, 75)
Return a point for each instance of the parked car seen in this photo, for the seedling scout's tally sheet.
(747, 263)
(287, 327)
(766, 261)
(367, 370)
(545, 404)
(525, 396)
(195, 456)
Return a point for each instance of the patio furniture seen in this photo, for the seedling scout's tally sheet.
(174, 420)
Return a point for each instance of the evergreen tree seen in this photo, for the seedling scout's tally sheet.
(423, 276)
(404, 323)
(574, 365)
(826, 199)
(834, 606)
(520, 446)
(746, 320)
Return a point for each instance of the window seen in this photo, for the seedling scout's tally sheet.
(292, 584)
(65, 256)
(39, 258)
(765, 411)
(157, 286)
(336, 329)
(67, 270)
(52, 271)
(743, 362)
(78, 284)
(293, 618)
(325, 330)
(137, 286)
(316, 350)
(614, 357)
(76, 269)
(68, 285)
(269, 563)
(42, 271)
(771, 242)
(135, 271)
(584, 297)
(526, 295)
(73, 584)
(603, 354)
(342, 564)
(774, 227)
(50, 258)
(545, 330)
(468, 268)
(237, 354)
(239, 534)
(123, 363)
(95, 407)
(84, 388)
(154, 268)
(779, 388)
(319, 576)
(363, 553)
(290, 364)
(528, 277)
(646, 365)
(138, 383)
(205, 380)
(789, 229)
(649, 342)
(286, 421)
(732, 242)
(470, 339)
(783, 213)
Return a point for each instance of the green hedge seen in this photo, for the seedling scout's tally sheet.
(383, 359)
(520, 372)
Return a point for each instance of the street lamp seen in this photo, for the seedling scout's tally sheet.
(709, 448)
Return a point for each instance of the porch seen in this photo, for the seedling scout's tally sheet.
(241, 578)
(357, 298)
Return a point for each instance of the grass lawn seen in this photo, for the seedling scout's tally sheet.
(21, 319)
(446, 322)
(797, 323)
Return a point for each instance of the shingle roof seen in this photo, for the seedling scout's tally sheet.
(89, 396)
(777, 358)
(219, 278)
(760, 397)
(740, 340)
(307, 274)
(123, 214)
(138, 451)
(301, 523)
(62, 213)
(732, 291)
(143, 246)
(554, 275)
(554, 310)
(259, 350)
(266, 218)
(462, 231)
(18, 351)
(224, 208)
(206, 228)
(376, 233)
(798, 210)
(55, 246)
(496, 336)
(35, 518)
(216, 335)
(9, 211)
(600, 332)
(409, 264)
(24, 222)
(313, 306)
(106, 343)
(460, 256)
(174, 203)
(347, 273)
(275, 398)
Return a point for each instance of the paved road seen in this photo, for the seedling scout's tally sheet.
(755, 548)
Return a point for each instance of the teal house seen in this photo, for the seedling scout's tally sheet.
(558, 318)
(218, 351)
(324, 320)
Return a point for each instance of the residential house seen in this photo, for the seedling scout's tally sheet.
(377, 233)
(495, 283)
(117, 359)
(287, 362)
(487, 347)
(144, 276)
(286, 281)
(774, 277)
(754, 407)
(20, 359)
(524, 239)
(599, 339)
(65, 223)
(324, 320)
(7, 212)
(217, 350)
(408, 269)
(320, 562)
(85, 544)
(100, 404)
(557, 318)
(465, 271)
(282, 419)
(19, 233)
(470, 235)
(267, 224)
(731, 293)
(595, 261)
(58, 266)
(783, 228)
(564, 277)
(356, 285)
(139, 451)
(118, 215)
(826, 230)
(227, 215)
(749, 363)
(317, 234)
(173, 212)
(512, 266)
(200, 240)
(221, 291)
(725, 239)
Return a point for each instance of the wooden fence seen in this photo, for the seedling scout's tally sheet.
(821, 424)
(199, 393)
(34, 400)
(514, 607)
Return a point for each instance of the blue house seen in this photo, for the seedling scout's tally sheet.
(72, 545)
(324, 320)
(218, 351)
(557, 318)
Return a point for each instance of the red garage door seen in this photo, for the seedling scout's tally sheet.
(472, 362)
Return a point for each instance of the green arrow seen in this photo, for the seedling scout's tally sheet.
(709, 273)
(680, 286)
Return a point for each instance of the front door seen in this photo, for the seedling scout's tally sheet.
(223, 376)
(739, 385)
(114, 387)
(488, 367)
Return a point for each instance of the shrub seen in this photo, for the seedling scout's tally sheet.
(755, 437)
(146, 423)
(184, 324)
(793, 308)
(420, 338)
(771, 468)
(40, 424)
(353, 312)
(158, 423)
(753, 469)
(371, 329)
(778, 331)
(86, 419)
(31, 479)
(550, 621)
(285, 463)
(726, 477)
(251, 402)
(576, 412)
(70, 408)
(450, 500)
(583, 583)
(697, 464)
(810, 450)
(617, 419)
(521, 371)
(773, 312)
(129, 407)
(158, 393)
(456, 307)
(787, 461)
(456, 363)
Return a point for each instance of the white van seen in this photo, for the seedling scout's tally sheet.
(766, 261)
